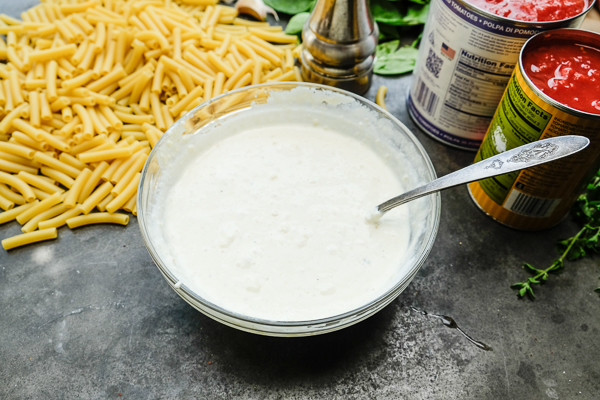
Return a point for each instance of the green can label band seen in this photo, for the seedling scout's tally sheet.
(518, 121)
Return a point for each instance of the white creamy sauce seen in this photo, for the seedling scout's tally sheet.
(268, 220)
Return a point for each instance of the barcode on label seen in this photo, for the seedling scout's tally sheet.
(530, 206)
(426, 98)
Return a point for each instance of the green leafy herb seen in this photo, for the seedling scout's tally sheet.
(415, 42)
(525, 287)
(583, 245)
(585, 242)
(399, 13)
(388, 32)
(291, 6)
(392, 59)
(294, 27)
(386, 12)
(416, 15)
(392, 17)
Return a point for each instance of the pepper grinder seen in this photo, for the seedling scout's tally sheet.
(339, 39)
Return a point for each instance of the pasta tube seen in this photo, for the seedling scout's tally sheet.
(136, 167)
(32, 225)
(6, 204)
(39, 182)
(61, 219)
(380, 98)
(39, 208)
(18, 184)
(53, 53)
(58, 176)
(17, 149)
(75, 191)
(98, 218)
(27, 238)
(10, 195)
(56, 164)
(96, 197)
(10, 215)
(125, 195)
(104, 155)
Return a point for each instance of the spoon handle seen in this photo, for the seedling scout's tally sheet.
(519, 158)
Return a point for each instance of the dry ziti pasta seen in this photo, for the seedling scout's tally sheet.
(88, 87)
(380, 98)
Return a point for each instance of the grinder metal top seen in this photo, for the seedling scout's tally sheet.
(339, 39)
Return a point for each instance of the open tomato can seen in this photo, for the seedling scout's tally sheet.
(466, 58)
(565, 101)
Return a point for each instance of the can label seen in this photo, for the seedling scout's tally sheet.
(465, 61)
(541, 196)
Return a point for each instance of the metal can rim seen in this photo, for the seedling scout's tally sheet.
(565, 34)
(528, 24)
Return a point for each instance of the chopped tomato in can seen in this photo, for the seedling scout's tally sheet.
(533, 10)
(568, 72)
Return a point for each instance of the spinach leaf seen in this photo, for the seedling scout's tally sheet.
(387, 48)
(291, 6)
(386, 12)
(294, 27)
(393, 60)
(388, 32)
(416, 42)
(389, 13)
(416, 15)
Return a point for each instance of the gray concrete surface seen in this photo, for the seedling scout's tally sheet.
(90, 317)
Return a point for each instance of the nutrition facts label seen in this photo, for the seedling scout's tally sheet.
(518, 121)
(474, 92)
(465, 62)
(476, 86)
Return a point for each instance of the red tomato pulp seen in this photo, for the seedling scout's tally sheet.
(533, 10)
(567, 72)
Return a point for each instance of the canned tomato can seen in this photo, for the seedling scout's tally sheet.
(466, 58)
(554, 91)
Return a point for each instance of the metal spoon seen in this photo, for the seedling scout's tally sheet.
(522, 157)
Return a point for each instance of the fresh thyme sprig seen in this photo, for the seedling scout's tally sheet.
(525, 287)
(586, 241)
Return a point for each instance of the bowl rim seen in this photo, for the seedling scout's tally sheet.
(384, 298)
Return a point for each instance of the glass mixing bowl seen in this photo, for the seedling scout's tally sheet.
(397, 144)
